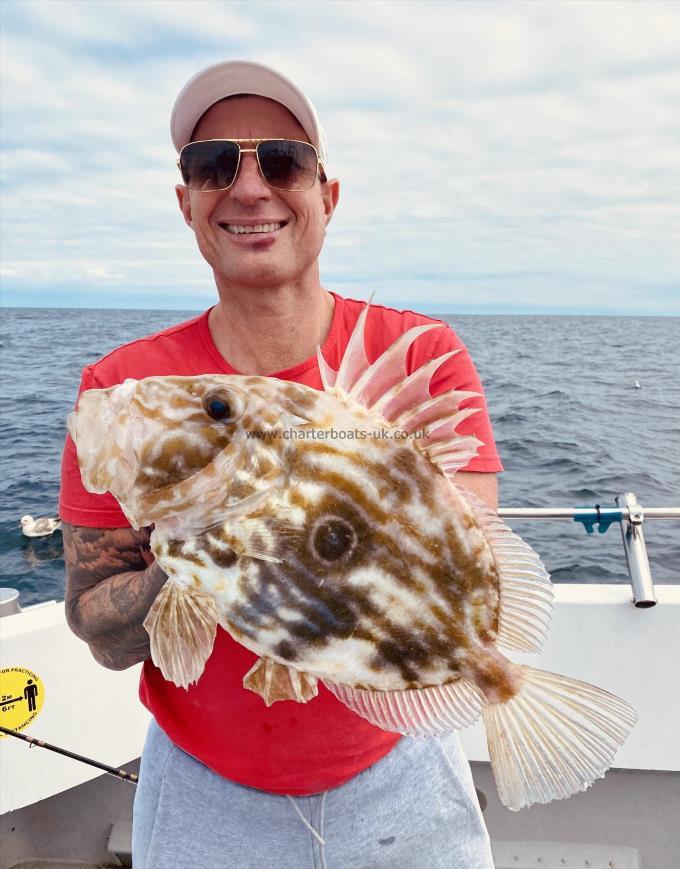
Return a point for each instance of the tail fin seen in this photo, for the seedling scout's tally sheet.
(554, 738)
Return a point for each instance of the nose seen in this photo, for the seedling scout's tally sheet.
(249, 186)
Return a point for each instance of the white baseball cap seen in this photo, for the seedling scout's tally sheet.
(222, 80)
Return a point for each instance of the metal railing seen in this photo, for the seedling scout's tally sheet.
(628, 513)
(630, 516)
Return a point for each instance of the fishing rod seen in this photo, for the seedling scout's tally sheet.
(118, 773)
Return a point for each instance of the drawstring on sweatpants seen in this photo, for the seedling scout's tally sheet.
(305, 821)
(321, 811)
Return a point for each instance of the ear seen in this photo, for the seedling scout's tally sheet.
(184, 201)
(330, 192)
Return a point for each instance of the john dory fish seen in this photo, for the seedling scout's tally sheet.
(357, 561)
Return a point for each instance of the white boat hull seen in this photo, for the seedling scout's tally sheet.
(53, 806)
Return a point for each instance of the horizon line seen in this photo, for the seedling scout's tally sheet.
(426, 308)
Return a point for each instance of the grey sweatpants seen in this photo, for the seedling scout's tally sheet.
(414, 809)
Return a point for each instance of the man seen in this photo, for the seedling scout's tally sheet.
(226, 781)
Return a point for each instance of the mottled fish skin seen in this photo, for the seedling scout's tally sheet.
(152, 444)
(378, 574)
(380, 577)
(384, 581)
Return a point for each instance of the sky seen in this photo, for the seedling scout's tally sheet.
(494, 157)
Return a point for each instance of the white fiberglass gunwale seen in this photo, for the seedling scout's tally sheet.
(597, 635)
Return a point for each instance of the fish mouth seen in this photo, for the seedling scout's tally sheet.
(176, 497)
(105, 449)
(125, 474)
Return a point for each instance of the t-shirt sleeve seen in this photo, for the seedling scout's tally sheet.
(459, 373)
(76, 504)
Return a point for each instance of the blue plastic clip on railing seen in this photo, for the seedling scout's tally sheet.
(603, 517)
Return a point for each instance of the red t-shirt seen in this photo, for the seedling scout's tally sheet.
(288, 748)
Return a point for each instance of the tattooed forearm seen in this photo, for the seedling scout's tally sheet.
(111, 582)
(122, 650)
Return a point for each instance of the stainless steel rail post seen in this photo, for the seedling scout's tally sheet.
(636, 552)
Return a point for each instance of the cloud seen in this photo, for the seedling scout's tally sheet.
(489, 153)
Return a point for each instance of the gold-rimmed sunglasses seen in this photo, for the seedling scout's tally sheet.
(285, 164)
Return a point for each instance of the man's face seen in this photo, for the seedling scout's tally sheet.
(270, 259)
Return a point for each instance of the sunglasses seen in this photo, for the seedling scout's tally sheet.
(285, 164)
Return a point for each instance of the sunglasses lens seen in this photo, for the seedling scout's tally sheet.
(287, 165)
(209, 165)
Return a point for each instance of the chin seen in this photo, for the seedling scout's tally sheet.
(261, 274)
(256, 278)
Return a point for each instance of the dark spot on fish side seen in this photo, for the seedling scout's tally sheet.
(387, 841)
(286, 650)
(333, 539)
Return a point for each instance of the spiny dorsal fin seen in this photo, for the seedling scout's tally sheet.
(354, 361)
(525, 587)
(405, 400)
(452, 454)
(356, 376)
(435, 410)
(439, 431)
(389, 368)
(411, 391)
(328, 375)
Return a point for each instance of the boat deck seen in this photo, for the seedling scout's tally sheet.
(57, 812)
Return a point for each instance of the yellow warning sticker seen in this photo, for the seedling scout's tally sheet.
(21, 697)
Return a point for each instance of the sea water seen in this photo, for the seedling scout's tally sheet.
(571, 426)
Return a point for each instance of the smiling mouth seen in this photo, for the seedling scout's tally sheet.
(243, 229)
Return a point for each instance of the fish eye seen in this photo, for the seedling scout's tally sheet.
(333, 539)
(222, 405)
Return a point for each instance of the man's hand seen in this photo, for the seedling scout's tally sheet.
(111, 582)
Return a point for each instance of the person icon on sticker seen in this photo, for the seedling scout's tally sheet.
(30, 693)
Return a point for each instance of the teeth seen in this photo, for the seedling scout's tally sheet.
(237, 228)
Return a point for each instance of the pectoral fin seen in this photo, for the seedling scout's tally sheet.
(181, 624)
(274, 682)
